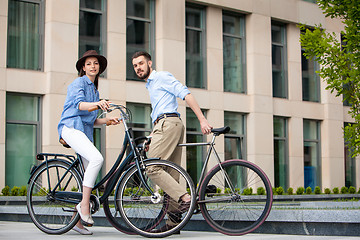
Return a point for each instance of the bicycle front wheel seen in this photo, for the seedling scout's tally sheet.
(48, 213)
(235, 197)
(152, 216)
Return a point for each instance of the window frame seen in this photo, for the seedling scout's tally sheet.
(152, 39)
(284, 59)
(318, 147)
(103, 27)
(241, 136)
(41, 27)
(285, 139)
(37, 123)
(242, 38)
(202, 29)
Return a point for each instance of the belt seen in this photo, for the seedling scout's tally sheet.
(165, 115)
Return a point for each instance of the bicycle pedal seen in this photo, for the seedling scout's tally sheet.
(69, 209)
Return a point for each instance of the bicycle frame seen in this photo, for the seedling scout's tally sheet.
(112, 176)
(209, 151)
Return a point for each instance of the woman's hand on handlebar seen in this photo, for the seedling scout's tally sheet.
(108, 121)
(103, 104)
(112, 121)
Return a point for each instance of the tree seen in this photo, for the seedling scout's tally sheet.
(339, 59)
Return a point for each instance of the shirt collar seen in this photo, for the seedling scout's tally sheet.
(88, 81)
(152, 76)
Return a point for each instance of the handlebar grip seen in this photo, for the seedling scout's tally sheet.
(93, 108)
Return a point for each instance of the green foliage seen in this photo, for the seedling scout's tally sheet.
(290, 191)
(23, 191)
(74, 189)
(227, 190)
(300, 190)
(279, 190)
(247, 191)
(15, 191)
(352, 190)
(6, 191)
(218, 190)
(340, 63)
(327, 191)
(344, 190)
(308, 190)
(336, 190)
(127, 191)
(260, 191)
(317, 190)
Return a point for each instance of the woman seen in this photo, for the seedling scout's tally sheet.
(77, 123)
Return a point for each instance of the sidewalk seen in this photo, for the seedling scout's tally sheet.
(316, 218)
(28, 231)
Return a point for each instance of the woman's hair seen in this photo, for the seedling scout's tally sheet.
(96, 81)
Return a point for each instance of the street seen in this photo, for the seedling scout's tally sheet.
(21, 230)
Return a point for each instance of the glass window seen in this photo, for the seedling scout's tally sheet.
(194, 155)
(281, 152)
(22, 141)
(350, 166)
(279, 60)
(234, 53)
(310, 79)
(235, 147)
(92, 26)
(195, 47)
(25, 34)
(140, 29)
(141, 120)
(312, 157)
(311, 1)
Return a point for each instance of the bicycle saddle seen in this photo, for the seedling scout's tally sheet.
(218, 131)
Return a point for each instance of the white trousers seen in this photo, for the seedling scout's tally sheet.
(92, 158)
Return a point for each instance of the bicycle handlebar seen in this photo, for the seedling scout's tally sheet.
(121, 108)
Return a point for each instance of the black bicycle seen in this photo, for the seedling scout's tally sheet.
(55, 189)
(234, 197)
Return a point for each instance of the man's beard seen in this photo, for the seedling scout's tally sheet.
(146, 74)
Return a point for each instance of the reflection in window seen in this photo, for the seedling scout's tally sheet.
(22, 141)
(140, 29)
(281, 152)
(234, 53)
(235, 147)
(312, 157)
(92, 26)
(350, 165)
(141, 120)
(194, 155)
(195, 47)
(279, 60)
(25, 34)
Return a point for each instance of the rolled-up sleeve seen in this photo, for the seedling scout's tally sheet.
(174, 86)
(78, 90)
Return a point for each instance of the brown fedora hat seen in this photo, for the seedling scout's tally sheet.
(92, 53)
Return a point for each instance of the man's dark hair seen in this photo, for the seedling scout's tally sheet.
(141, 53)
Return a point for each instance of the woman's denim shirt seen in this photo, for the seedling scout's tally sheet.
(80, 90)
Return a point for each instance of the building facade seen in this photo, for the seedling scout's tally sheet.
(241, 59)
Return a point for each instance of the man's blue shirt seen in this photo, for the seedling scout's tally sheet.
(80, 90)
(164, 88)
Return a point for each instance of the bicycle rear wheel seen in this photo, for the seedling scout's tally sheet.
(146, 214)
(227, 200)
(49, 214)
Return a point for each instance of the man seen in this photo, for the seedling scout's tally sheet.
(168, 129)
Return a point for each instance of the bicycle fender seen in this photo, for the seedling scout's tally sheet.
(35, 168)
(127, 170)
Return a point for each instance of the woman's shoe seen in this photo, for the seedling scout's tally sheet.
(82, 231)
(85, 219)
